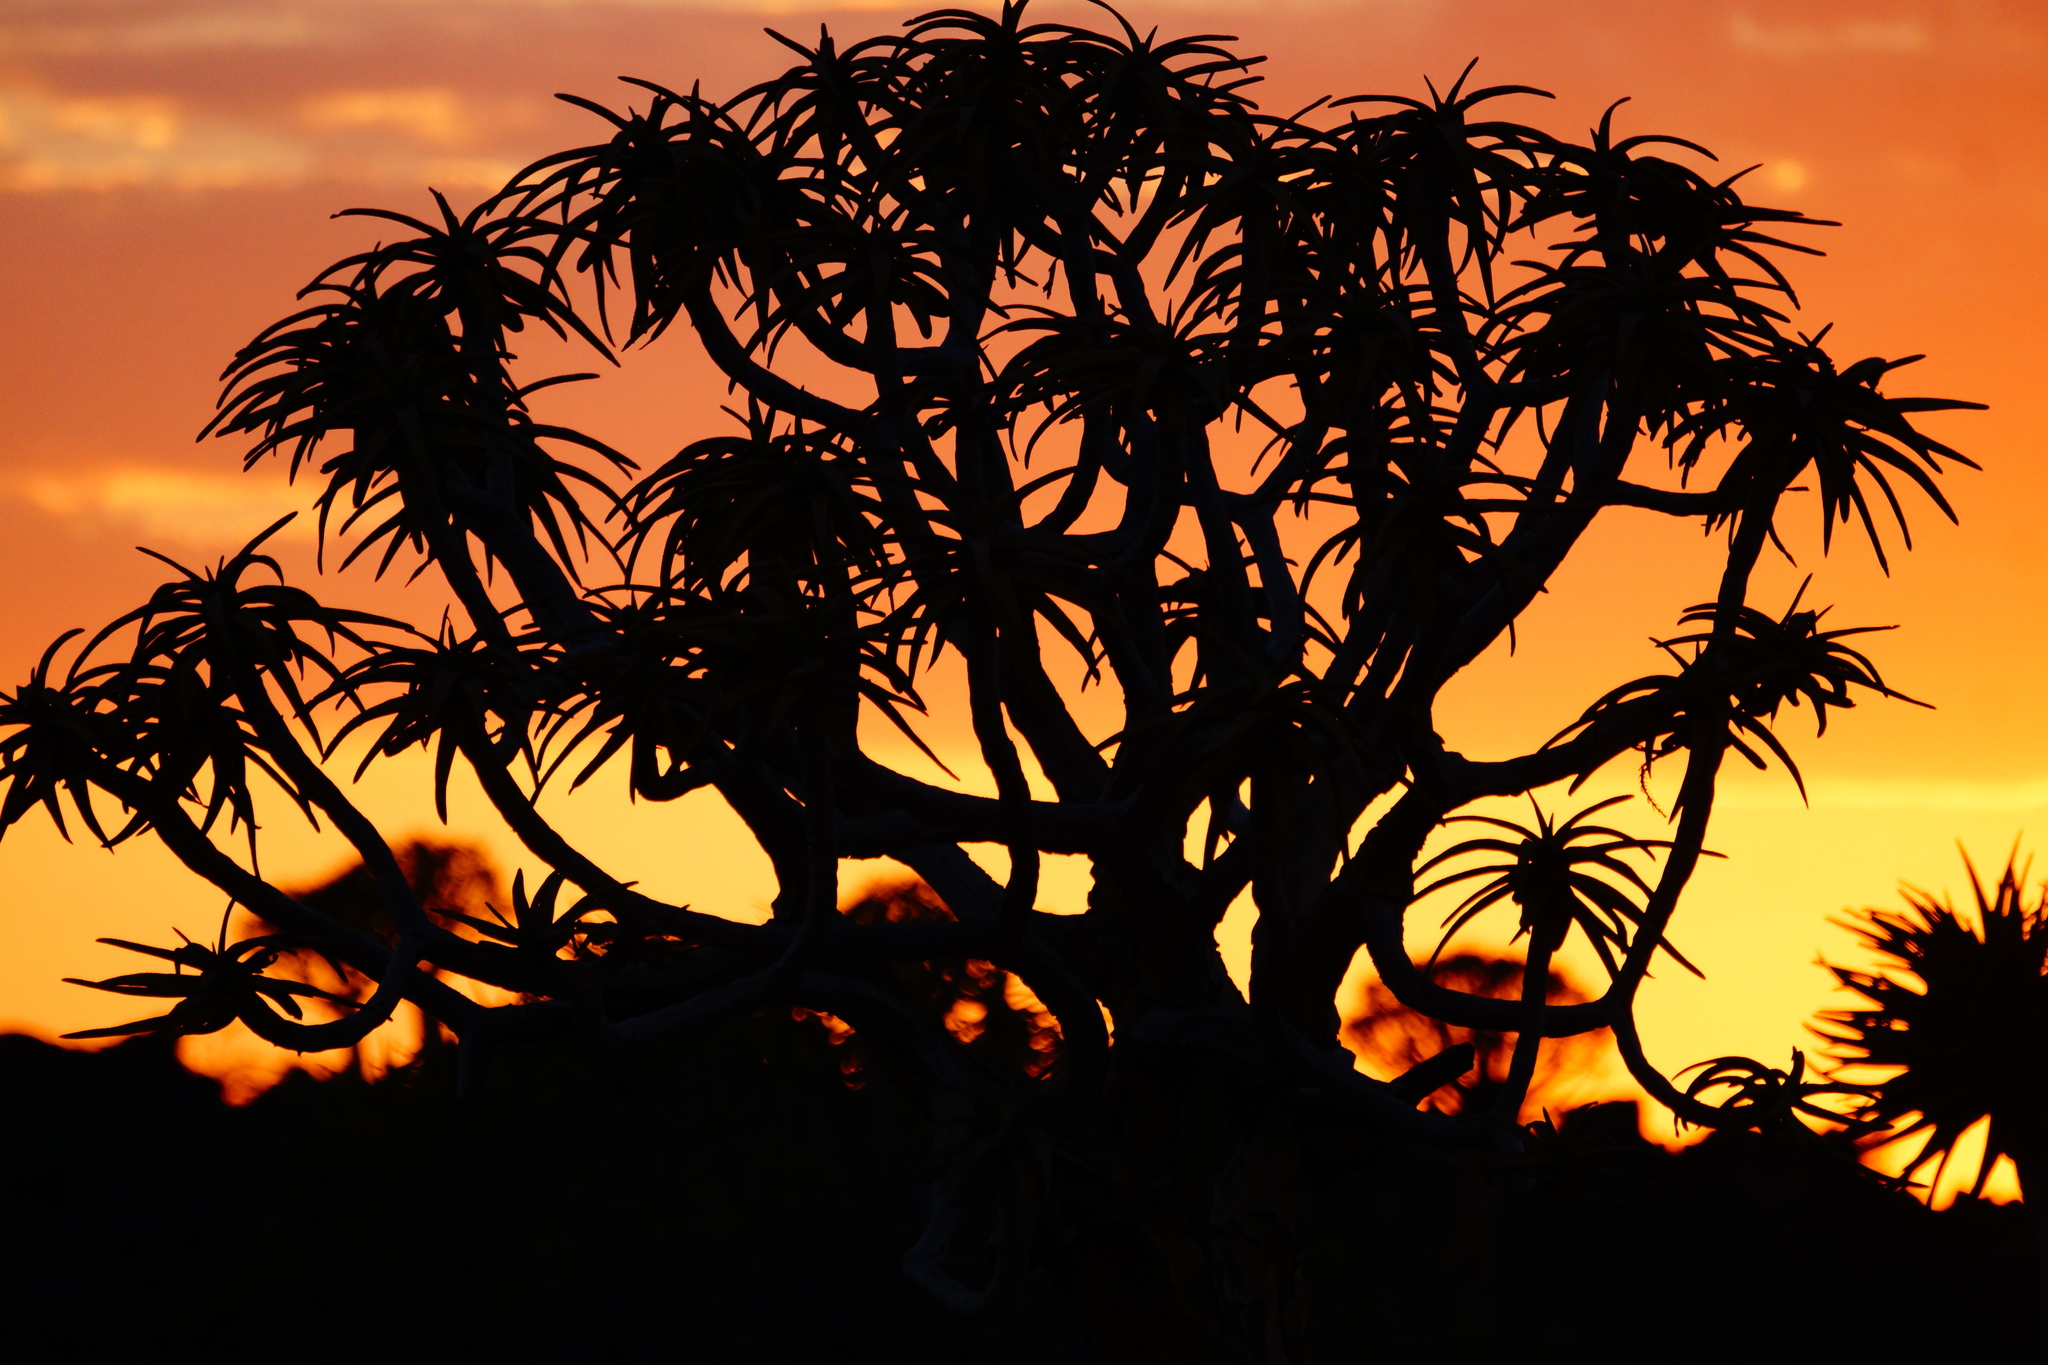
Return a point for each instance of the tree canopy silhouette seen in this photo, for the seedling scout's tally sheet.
(1055, 356)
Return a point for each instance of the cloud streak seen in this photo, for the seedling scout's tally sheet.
(51, 141)
(151, 28)
(145, 31)
(1793, 39)
(167, 507)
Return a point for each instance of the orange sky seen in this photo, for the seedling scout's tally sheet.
(166, 172)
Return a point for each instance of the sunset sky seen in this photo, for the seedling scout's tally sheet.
(167, 172)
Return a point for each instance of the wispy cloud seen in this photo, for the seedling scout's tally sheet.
(144, 30)
(437, 116)
(1786, 175)
(52, 141)
(166, 507)
(170, 27)
(1793, 38)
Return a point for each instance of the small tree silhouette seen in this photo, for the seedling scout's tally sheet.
(1958, 1017)
(1058, 357)
(1956, 1023)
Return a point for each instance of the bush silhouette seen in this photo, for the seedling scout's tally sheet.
(1056, 358)
(1951, 1033)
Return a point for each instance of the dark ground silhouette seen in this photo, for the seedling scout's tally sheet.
(731, 1197)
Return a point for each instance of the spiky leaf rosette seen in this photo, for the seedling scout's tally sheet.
(1959, 1011)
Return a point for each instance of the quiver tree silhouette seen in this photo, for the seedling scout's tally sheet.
(1956, 1021)
(1952, 1032)
(1053, 355)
